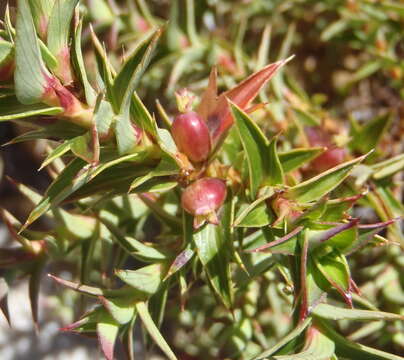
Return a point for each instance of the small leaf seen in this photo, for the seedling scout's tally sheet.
(107, 331)
(295, 158)
(275, 176)
(152, 329)
(388, 167)
(367, 137)
(318, 186)
(58, 37)
(80, 68)
(30, 74)
(335, 269)
(57, 152)
(212, 252)
(255, 146)
(317, 346)
(121, 309)
(180, 261)
(351, 350)
(128, 78)
(289, 337)
(146, 280)
(142, 116)
(331, 312)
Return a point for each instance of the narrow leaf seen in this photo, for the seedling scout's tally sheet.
(152, 329)
(323, 183)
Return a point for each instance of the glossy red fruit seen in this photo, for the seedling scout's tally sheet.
(191, 135)
(204, 196)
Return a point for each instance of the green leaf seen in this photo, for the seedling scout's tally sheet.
(103, 117)
(30, 74)
(80, 68)
(289, 337)
(334, 29)
(92, 290)
(107, 331)
(59, 130)
(331, 312)
(367, 137)
(58, 36)
(255, 146)
(295, 158)
(125, 133)
(59, 151)
(41, 11)
(351, 350)
(318, 346)
(335, 269)
(142, 116)
(212, 252)
(152, 329)
(146, 280)
(6, 51)
(121, 309)
(74, 177)
(128, 78)
(275, 176)
(257, 214)
(388, 167)
(306, 119)
(85, 147)
(318, 186)
(167, 166)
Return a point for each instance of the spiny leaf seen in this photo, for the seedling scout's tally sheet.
(30, 74)
(331, 312)
(58, 37)
(255, 146)
(152, 329)
(107, 331)
(211, 250)
(146, 280)
(289, 337)
(295, 158)
(318, 186)
(121, 309)
(346, 348)
(128, 78)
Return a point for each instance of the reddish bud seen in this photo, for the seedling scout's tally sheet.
(333, 156)
(204, 197)
(327, 160)
(7, 71)
(191, 135)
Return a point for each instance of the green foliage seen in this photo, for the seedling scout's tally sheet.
(309, 232)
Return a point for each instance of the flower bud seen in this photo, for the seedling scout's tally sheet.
(191, 135)
(330, 158)
(203, 197)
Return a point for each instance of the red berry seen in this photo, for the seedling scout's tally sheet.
(204, 196)
(191, 135)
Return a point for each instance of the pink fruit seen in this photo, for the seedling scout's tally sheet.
(204, 196)
(191, 135)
